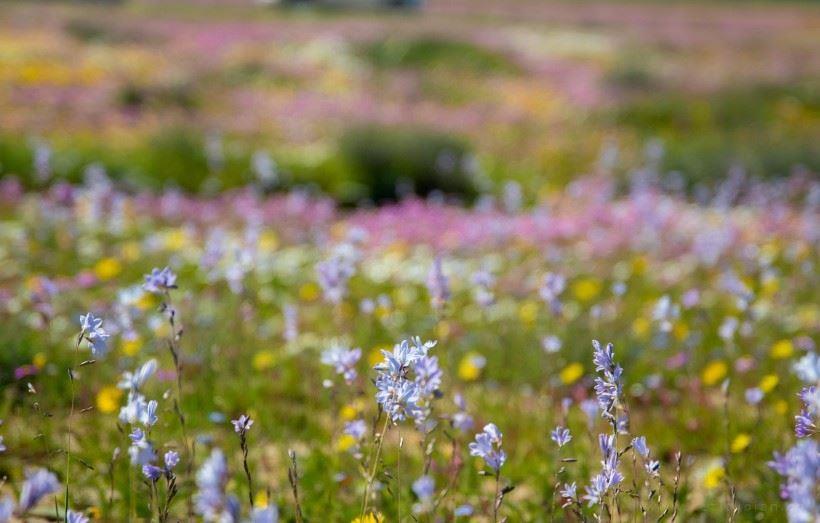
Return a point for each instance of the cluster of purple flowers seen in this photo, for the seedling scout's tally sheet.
(407, 381)
(800, 465)
(334, 273)
(438, 285)
(94, 334)
(483, 282)
(487, 446)
(343, 360)
(609, 475)
(160, 281)
(551, 289)
(608, 385)
(211, 500)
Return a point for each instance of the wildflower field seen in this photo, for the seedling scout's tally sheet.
(598, 301)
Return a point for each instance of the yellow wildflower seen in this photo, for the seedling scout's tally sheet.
(108, 399)
(131, 346)
(528, 312)
(740, 443)
(369, 518)
(309, 292)
(39, 360)
(769, 382)
(713, 476)
(714, 372)
(586, 289)
(571, 373)
(782, 350)
(469, 368)
(263, 359)
(107, 268)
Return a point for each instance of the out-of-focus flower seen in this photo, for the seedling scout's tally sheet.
(487, 445)
(160, 281)
(38, 484)
(561, 436)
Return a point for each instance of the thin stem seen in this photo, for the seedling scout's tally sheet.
(497, 500)
(68, 424)
(243, 442)
(293, 477)
(375, 464)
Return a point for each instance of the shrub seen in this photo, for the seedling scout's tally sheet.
(387, 161)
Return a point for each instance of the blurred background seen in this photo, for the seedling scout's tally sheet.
(369, 100)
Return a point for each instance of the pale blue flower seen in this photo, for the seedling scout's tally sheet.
(487, 445)
(38, 484)
(242, 424)
(160, 281)
(561, 436)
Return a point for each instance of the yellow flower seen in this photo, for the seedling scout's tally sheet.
(263, 360)
(261, 499)
(469, 368)
(443, 330)
(680, 331)
(571, 373)
(309, 292)
(769, 382)
(740, 443)
(782, 350)
(130, 251)
(781, 407)
(714, 372)
(145, 301)
(586, 289)
(175, 239)
(640, 327)
(108, 399)
(268, 241)
(345, 443)
(713, 476)
(131, 346)
(369, 518)
(107, 268)
(528, 312)
(39, 360)
(639, 265)
(348, 412)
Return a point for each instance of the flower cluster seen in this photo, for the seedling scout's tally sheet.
(212, 502)
(487, 446)
(608, 385)
(407, 381)
(343, 360)
(92, 331)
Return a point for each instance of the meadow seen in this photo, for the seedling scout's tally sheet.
(482, 261)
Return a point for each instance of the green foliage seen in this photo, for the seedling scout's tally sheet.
(384, 159)
(769, 130)
(431, 52)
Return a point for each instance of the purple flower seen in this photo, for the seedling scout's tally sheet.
(160, 281)
(800, 468)
(753, 395)
(171, 460)
(211, 501)
(242, 425)
(75, 517)
(438, 285)
(343, 361)
(333, 275)
(560, 436)
(569, 492)
(639, 445)
(551, 288)
(94, 334)
(152, 472)
(38, 484)
(487, 445)
(424, 488)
